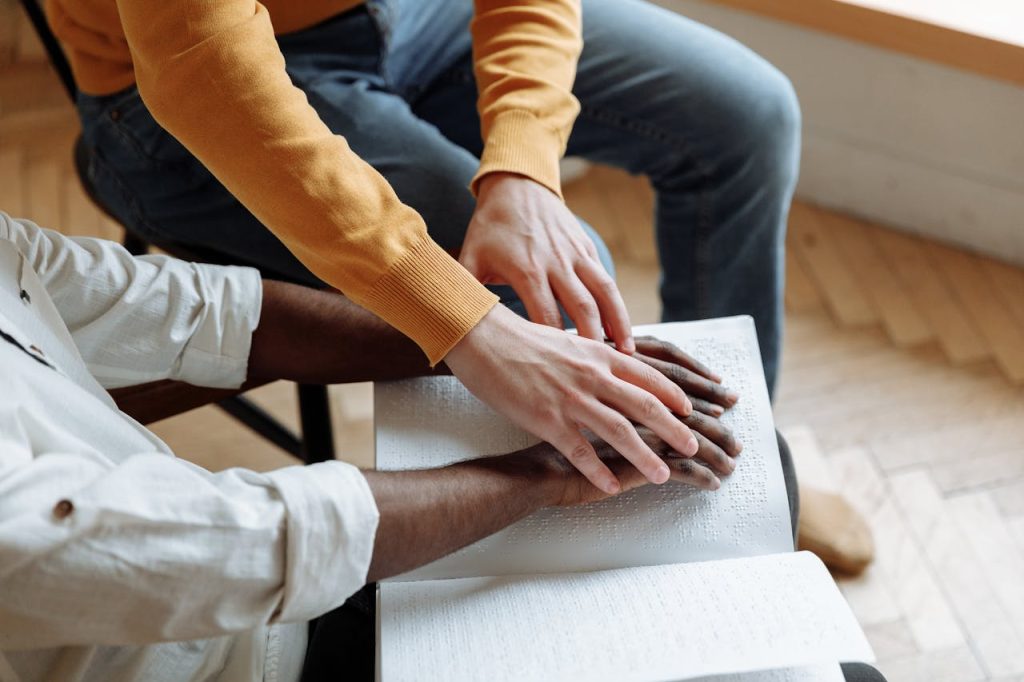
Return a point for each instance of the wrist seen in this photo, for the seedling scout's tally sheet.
(491, 326)
(548, 471)
(538, 470)
(503, 181)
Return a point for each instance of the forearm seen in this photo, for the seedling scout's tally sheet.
(425, 515)
(323, 337)
(524, 57)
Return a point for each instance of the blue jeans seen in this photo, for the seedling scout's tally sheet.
(712, 125)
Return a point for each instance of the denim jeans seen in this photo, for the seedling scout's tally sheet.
(712, 125)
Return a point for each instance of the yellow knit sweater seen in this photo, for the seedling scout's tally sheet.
(212, 75)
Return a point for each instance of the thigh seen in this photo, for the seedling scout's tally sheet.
(156, 188)
(426, 170)
(861, 672)
(657, 89)
(654, 88)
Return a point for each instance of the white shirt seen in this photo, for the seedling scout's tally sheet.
(119, 561)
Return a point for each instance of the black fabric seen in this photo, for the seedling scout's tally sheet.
(342, 642)
(861, 672)
(789, 476)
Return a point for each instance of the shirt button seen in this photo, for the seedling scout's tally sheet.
(37, 350)
(63, 509)
(25, 297)
(115, 114)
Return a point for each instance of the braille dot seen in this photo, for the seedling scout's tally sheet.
(63, 509)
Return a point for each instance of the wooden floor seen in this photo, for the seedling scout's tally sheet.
(901, 386)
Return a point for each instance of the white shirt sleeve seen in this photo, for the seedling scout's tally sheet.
(157, 549)
(136, 319)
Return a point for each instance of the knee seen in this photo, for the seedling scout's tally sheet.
(860, 672)
(771, 124)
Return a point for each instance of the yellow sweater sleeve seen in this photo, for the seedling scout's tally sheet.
(212, 75)
(525, 54)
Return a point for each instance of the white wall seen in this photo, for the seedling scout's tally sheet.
(897, 139)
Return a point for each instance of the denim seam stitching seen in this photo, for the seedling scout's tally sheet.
(134, 211)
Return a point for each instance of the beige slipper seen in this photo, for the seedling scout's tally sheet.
(833, 530)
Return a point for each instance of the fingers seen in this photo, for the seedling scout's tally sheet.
(663, 350)
(610, 305)
(644, 375)
(714, 431)
(580, 305)
(714, 457)
(706, 407)
(710, 453)
(693, 473)
(541, 306)
(581, 454)
(621, 435)
(693, 383)
(647, 410)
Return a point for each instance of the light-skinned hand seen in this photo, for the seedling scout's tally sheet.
(523, 235)
(555, 385)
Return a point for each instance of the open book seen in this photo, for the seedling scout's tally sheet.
(662, 583)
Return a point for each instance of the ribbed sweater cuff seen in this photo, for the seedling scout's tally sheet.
(519, 143)
(431, 299)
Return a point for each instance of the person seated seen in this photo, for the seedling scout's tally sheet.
(119, 560)
(245, 126)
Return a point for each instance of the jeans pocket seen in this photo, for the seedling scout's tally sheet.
(124, 126)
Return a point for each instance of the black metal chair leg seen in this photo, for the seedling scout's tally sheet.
(257, 419)
(315, 417)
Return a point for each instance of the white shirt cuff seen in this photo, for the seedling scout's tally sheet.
(217, 355)
(332, 524)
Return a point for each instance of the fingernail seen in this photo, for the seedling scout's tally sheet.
(688, 407)
(611, 486)
(717, 378)
(715, 483)
(662, 474)
(739, 448)
(717, 410)
(630, 345)
(692, 446)
(732, 396)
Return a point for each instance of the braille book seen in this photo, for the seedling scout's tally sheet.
(662, 583)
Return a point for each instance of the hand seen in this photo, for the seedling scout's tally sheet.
(718, 446)
(555, 384)
(522, 235)
(568, 487)
(687, 372)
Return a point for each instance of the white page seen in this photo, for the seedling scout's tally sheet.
(435, 421)
(643, 624)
